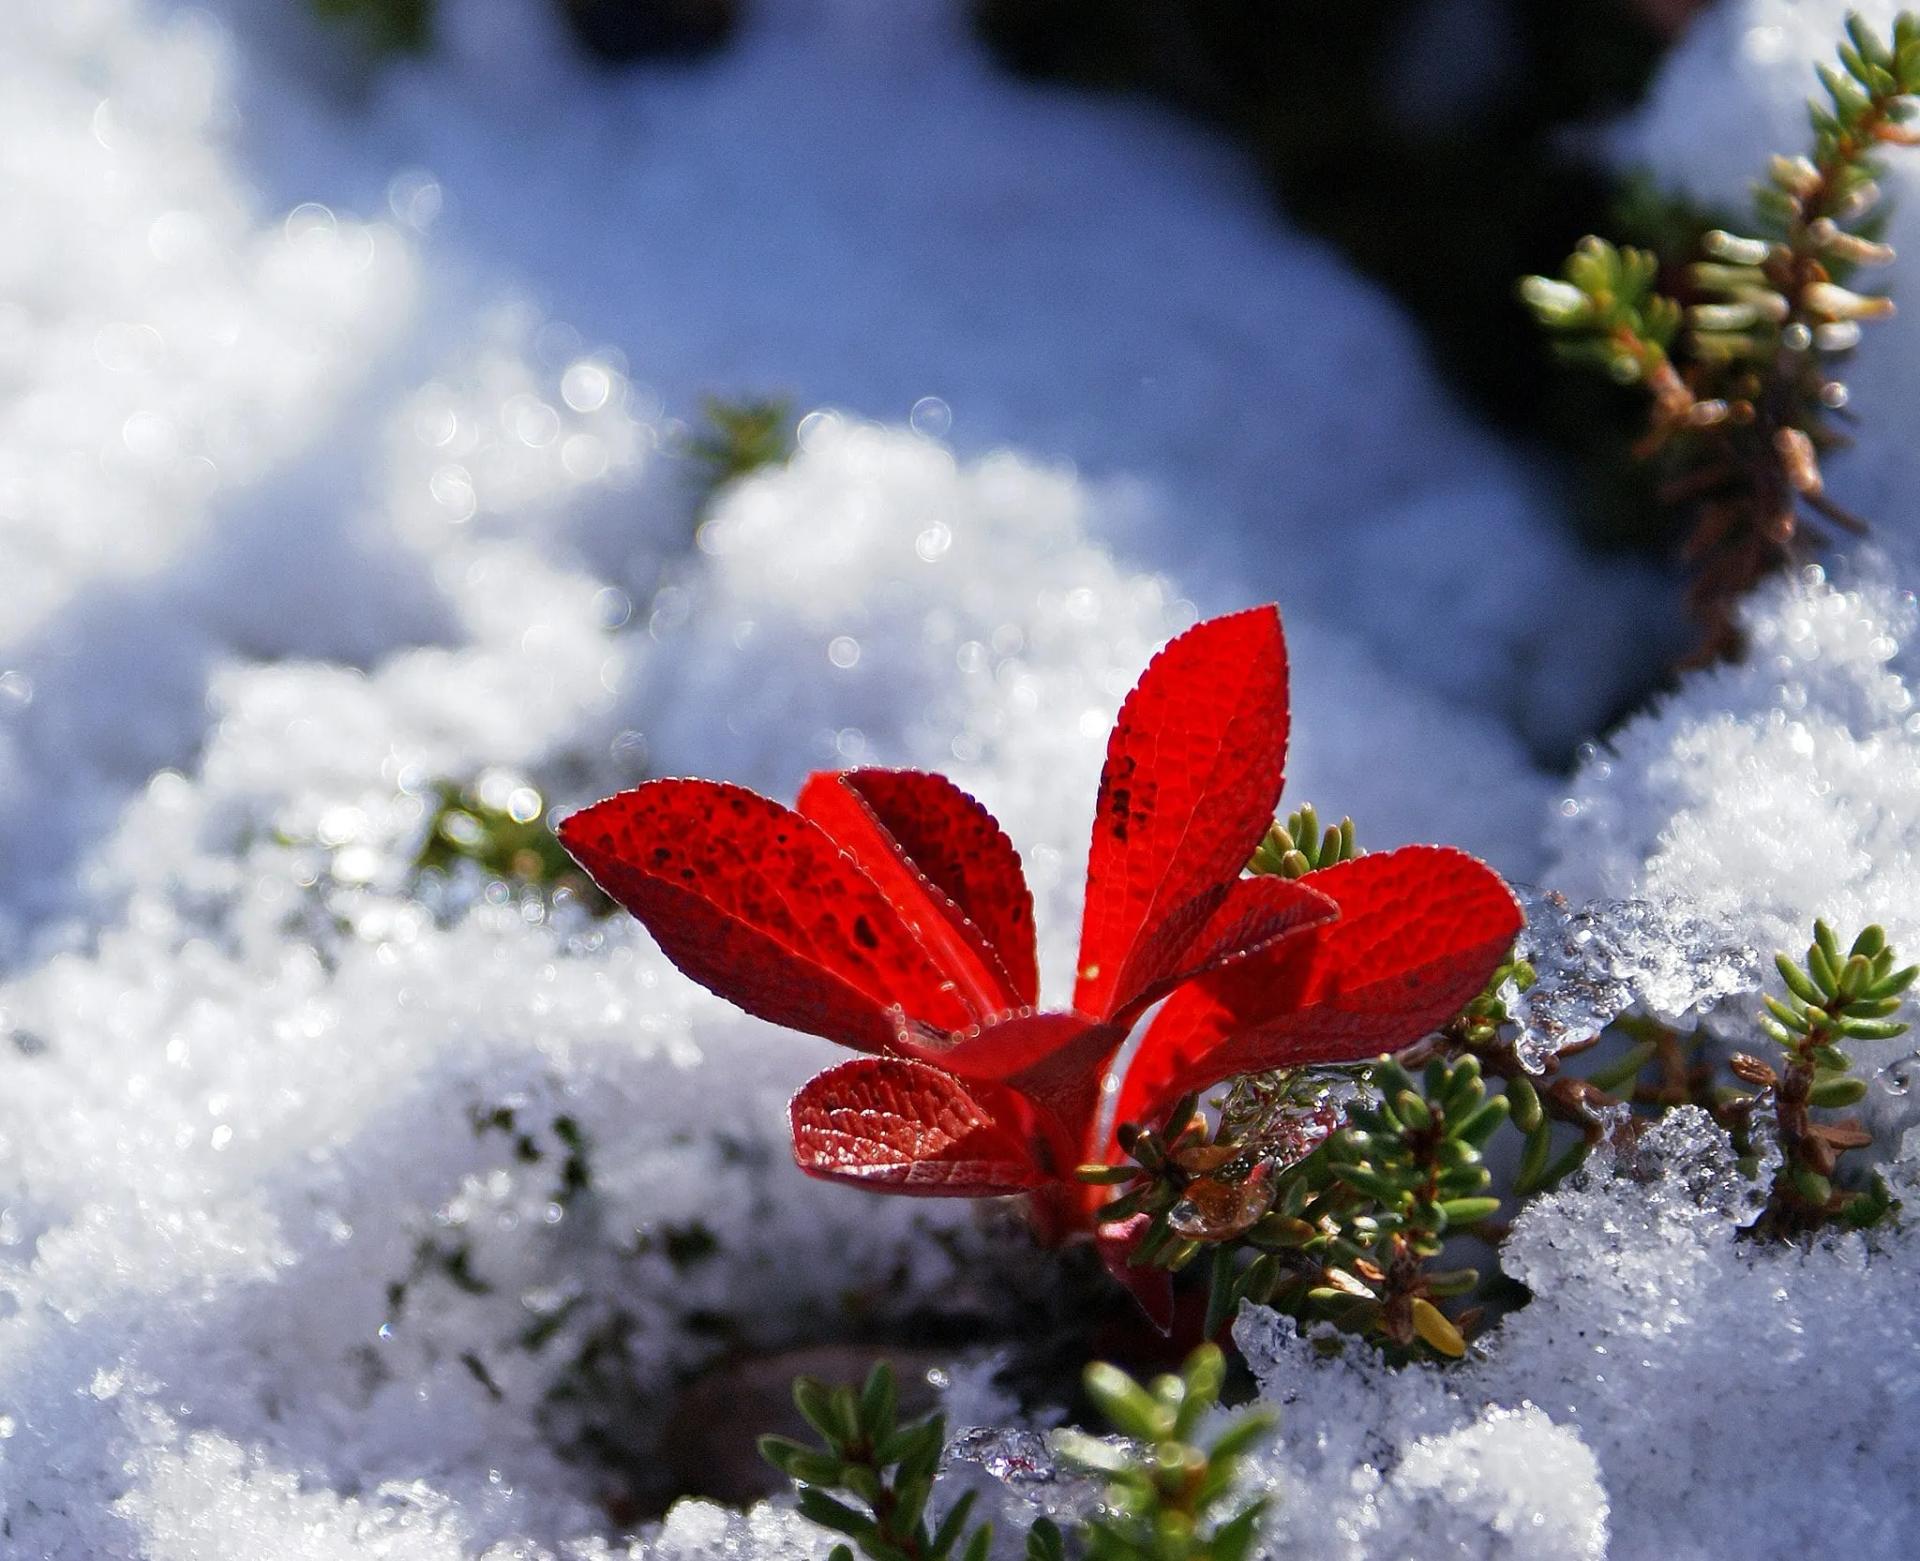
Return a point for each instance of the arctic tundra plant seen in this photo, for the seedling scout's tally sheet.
(887, 911)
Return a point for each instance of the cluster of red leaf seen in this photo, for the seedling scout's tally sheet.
(888, 912)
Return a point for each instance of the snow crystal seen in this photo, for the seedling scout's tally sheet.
(1593, 964)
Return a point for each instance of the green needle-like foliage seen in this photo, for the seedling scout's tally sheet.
(1297, 846)
(1739, 351)
(1606, 309)
(1832, 996)
(1835, 996)
(1352, 1230)
(1398, 1178)
(1169, 1496)
(871, 1478)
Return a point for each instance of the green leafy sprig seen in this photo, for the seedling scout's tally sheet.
(1831, 997)
(1169, 1496)
(1739, 351)
(1359, 1223)
(1606, 310)
(871, 1478)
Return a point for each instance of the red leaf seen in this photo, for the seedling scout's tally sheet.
(760, 906)
(948, 868)
(896, 1125)
(1058, 1061)
(1420, 931)
(1251, 915)
(1193, 771)
(1151, 1286)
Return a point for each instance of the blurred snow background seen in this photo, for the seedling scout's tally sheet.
(332, 427)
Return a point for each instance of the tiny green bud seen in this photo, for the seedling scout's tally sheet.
(1795, 175)
(1626, 1069)
(1796, 979)
(1526, 1103)
(1533, 1159)
(1789, 1017)
(1898, 982)
(1872, 1029)
(1257, 1282)
(1097, 1175)
(1555, 303)
(1825, 941)
(1433, 1325)
(1391, 1078)
(1128, 1407)
(817, 1505)
(1835, 1092)
(814, 1400)
(1484, 1122)
(1380, 1188)
(1204, 1374)
(1812, 1186)
(1723, 317)
(878, 1400)
(1871, 942)
(1282, 1230)
(1734, 249)
(1855, 975)
(1452, 1282)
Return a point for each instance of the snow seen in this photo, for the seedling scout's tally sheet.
(1638, 1397)
(1762, 795)
(731, 243)
(336, 419)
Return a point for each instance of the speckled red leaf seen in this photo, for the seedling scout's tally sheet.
(1055, 1060)
(1420, 931)
(947, 866)
(1193, 772)
(896, 1125)
(1250, 914)
(760, 906)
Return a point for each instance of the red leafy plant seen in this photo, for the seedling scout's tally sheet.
(887, 911)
